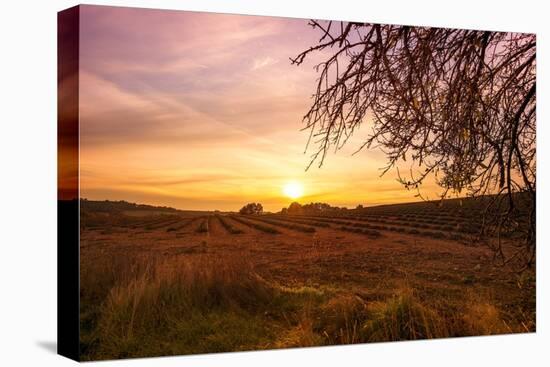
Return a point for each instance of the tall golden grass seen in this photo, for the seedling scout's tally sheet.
(155, 306)
(135, 306)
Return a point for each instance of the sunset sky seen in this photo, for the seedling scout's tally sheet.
(204, 111)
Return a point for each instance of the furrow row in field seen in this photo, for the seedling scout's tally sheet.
(414, 221)
(307, 222)
(384, 224)
(255, 225)
(186, 223)
(228, 226)
(366, 231)
(160, 225)
(349, 226)
(203, 226)
(361, 227)
(460, 215)
(151, 221)
(449, 224)
(274, 222)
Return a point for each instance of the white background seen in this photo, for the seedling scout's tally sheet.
(28, 183)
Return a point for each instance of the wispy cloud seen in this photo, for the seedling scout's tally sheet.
(200, 110)
(263, 62)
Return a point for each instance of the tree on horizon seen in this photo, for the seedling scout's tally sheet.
(252, 209)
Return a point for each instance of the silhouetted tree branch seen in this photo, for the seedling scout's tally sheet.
(459, 104)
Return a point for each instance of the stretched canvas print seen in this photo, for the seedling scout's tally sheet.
(237, 183)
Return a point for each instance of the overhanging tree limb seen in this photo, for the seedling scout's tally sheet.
(460, 103)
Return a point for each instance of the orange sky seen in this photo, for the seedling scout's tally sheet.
(203, 111)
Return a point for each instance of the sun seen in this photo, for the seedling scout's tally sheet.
(293, 189)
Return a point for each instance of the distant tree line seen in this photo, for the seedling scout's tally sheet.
(111, 206)
(296, 208)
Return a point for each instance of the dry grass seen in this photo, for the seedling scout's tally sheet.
(403, 317)
(154, 307)
(481, 317)
(137, 306)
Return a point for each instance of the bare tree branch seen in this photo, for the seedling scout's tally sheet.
(461, 104)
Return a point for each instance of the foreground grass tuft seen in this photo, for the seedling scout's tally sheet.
(403, 317)
(194, 305)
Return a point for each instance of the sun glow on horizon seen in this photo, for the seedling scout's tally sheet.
(293, 189)
(180, 125)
